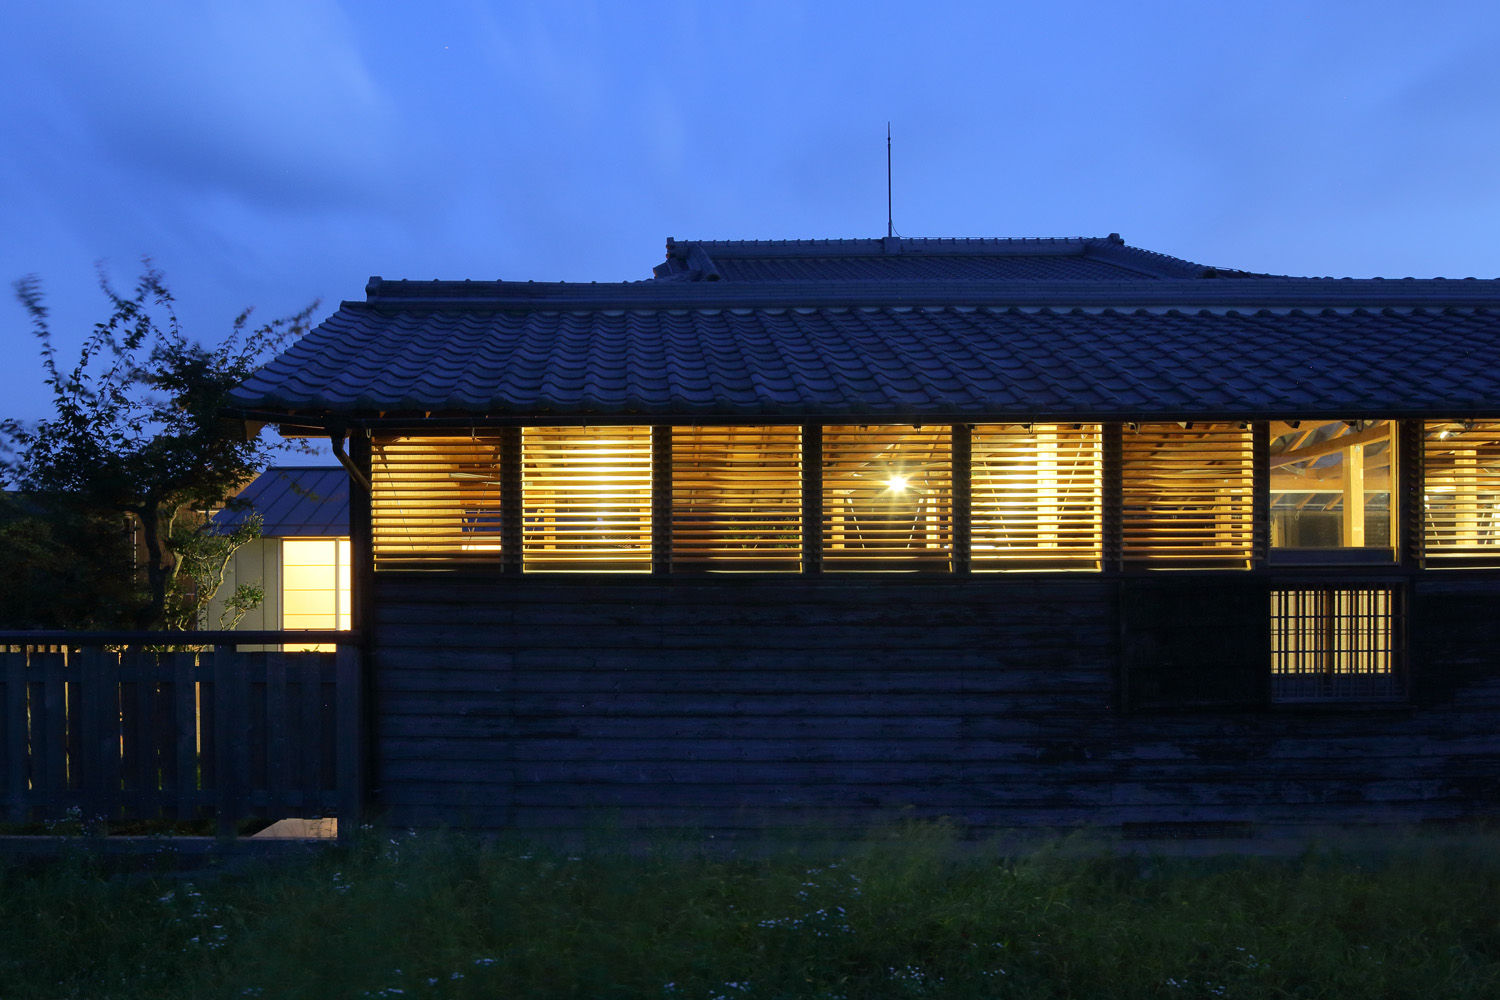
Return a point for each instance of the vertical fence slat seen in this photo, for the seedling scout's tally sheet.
(279, 781)
(52, 739)
(231, 757)
(185, 716)
(98, 700)
(309, 741)
(350, 749)
(16, 732)
(147, 778)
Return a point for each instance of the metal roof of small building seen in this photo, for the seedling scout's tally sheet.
(294, 501)
(1217, 344)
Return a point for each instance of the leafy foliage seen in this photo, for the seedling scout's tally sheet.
(137, 433)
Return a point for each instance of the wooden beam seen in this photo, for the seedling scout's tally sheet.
(1380, 432)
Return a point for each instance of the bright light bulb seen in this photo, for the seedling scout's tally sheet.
(897, 483)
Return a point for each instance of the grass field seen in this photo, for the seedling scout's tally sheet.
(909, 912)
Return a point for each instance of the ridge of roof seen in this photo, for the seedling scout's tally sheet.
(1241, 290)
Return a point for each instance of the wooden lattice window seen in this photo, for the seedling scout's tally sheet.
(736, 498)
(1336, 643)
(435, 501)
(1036, 496)
(1187, 495)
(887, 497)
(586, 498)
(1461, 493)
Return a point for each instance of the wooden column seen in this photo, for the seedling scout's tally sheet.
(512, 502)
(812, 498)
(1408, 489)
(361, 539)
(1112, 489)
(963, 497)
(661, 500)
(1260, 501)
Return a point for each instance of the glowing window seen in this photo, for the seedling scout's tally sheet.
(1037, 496)
(1335, 644)
(435, 501)
(887, 497)
(315, 585)
(736, 498)
(586, 498)
(1331, 484)
(1187, 495)
(1461, 493)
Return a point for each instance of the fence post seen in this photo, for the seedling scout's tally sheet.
(99, 743)
(15, 730)
(231, 719)
(349, 748)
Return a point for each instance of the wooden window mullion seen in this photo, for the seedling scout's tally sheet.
(661, 499)
(812, 499)
(1112, 490)
(1407, 492)
(963, 523)
(1260, 499)
(510, 499)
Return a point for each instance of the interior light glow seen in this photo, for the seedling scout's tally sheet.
(897, 484)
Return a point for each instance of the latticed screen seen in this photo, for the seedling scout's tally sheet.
(435, 501)
(1037, 496)
(736, 498)
(1461, 487)
(586, 498)
(1331, 643)
(1187, 495)
(887, 497)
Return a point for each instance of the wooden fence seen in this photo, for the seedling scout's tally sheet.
(111, 729)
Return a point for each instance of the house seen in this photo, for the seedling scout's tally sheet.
(301, 559)
(1034, 534)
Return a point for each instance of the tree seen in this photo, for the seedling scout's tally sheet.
(138, 433)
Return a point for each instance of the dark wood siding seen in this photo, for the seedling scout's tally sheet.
(729, 703)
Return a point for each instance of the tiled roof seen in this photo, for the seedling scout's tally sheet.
(293, 501)
(470, 352)
(900, 259)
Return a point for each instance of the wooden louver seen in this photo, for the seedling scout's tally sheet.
(1461, 487)
(435, 501)
(887, 497)
(736, 498)
(1187, 496)
(1037, 496)
(586, 498)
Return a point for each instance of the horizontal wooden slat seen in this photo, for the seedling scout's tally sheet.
(736, 498)
(1187, 497)
(435, 500)
(1037, 496)
(887, 497)
(586, 498)
(1461, 492)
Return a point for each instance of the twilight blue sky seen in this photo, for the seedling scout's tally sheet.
(273, 152)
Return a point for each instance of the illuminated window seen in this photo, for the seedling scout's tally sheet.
(1331, 485)
(1036, 496)
(435, 501)
(315, 586)
(1187, 495)
(586, 498)
(1335, 644)
(887, 497)
(736, 498)
(1461, 493)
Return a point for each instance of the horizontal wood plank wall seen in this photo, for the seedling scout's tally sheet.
(727, 704)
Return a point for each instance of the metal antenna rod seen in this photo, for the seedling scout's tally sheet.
(890, 226)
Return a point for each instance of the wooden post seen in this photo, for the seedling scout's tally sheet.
(231, 691)
(187, 718)
(1354, 496)
(351, 744)
(661, 500)
(14, 730)
(812, 499)
(512, 501)
(99, 713)
(1113, 487)
(963, 498)
(1260, 499)
(1408, 488)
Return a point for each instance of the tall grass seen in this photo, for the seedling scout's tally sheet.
(908, 913)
